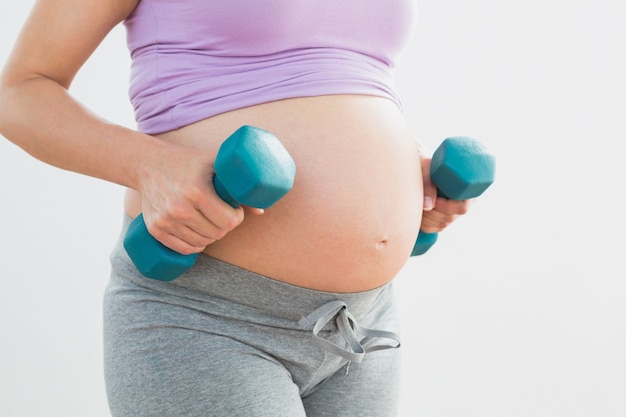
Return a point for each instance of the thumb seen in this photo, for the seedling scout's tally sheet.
(253, 210)
(430, 190)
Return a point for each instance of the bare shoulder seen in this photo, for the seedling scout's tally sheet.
(59, 35)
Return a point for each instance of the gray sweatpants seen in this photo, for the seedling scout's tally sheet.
(223, 341)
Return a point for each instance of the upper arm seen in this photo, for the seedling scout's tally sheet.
(59, 36)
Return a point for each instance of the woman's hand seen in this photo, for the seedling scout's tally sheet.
(180, 206)
(439, 212)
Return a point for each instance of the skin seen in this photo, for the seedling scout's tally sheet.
(362, 189)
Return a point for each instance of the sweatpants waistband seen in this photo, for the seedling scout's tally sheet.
(216, 278)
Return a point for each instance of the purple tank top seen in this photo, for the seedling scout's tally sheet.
(198, 58)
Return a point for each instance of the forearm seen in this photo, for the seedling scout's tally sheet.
(42, 118)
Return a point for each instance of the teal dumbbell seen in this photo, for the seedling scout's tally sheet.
(252, 168)
(461, 168)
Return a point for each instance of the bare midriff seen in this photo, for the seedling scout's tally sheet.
(353, 215)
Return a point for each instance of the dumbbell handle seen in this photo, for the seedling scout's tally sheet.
(466, 161)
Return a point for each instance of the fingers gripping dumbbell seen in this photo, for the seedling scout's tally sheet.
(461, 168)
(252, 168)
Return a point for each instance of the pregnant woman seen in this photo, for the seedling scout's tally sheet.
(288, 311)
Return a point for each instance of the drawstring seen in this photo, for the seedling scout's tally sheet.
(349, 330)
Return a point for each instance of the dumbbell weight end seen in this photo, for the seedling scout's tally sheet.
(423, 243)
(171, 265)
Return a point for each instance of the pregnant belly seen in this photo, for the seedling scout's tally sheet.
(352, 217)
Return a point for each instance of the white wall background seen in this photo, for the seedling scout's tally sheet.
(519, 310)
